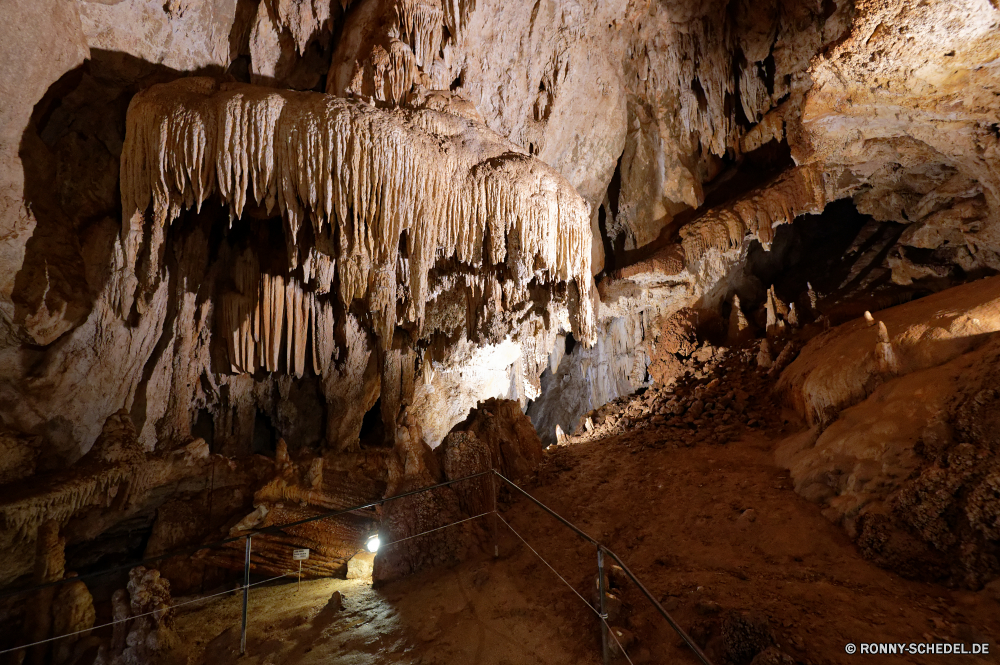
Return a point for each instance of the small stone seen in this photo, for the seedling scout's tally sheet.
(670, 603)
(708, 607)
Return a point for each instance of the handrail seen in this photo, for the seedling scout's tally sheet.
(673, 624)
(273, 529)
(276, 528)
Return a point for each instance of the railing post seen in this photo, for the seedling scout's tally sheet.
(493, 487)
(602, 607)
(246, 594)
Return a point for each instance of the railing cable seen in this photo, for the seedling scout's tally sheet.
(162, 610)
(572, 588)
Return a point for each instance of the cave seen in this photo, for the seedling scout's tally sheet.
(444, 331)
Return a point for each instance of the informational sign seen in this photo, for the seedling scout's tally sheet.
(300, 555)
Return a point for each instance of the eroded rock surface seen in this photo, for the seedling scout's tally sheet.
(902, 454)
(346, 225)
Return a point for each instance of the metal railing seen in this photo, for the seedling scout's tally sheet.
(601, 550)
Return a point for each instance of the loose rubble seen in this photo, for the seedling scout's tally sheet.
(721, 393)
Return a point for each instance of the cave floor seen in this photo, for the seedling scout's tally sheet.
(708, 529)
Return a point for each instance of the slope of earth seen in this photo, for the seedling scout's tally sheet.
(717, 533)
(716, 529)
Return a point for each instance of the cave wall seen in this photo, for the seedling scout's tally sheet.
(532, 73)
(689, 129)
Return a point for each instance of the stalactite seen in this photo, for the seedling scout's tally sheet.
(387, 74)
(302, 18)
(273, 317)
(453, 187)
(420, 24)
(799, 191)
(94, 481)
(770, 128)
(753, 93)
(456, 16)
(324, 350)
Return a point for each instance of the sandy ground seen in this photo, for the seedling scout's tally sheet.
(713, 528)
(710, 529)
(473, 613)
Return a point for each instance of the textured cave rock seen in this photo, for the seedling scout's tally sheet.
(903, 454)
(372, 182)
(496, 435)
(265, 255)
(298, 489)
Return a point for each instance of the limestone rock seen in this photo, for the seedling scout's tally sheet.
(180, 34)
(925, 333)
(509, 435)
(18, 456)
(149, 595)
(73, 612)
(923, 504)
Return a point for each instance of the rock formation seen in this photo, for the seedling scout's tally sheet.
(265, 259)
(497, 435)
(297, 491)
(901, 452)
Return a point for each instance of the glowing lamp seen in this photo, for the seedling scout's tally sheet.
(373, 544)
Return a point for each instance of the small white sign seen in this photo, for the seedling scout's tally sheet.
(300, 555)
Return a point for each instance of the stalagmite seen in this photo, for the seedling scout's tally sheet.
(739, 327)
(813, 299)
(764, 360)
(561, 438)
(885, 355)
(793, 316)
(776, 308)
(869, 319)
